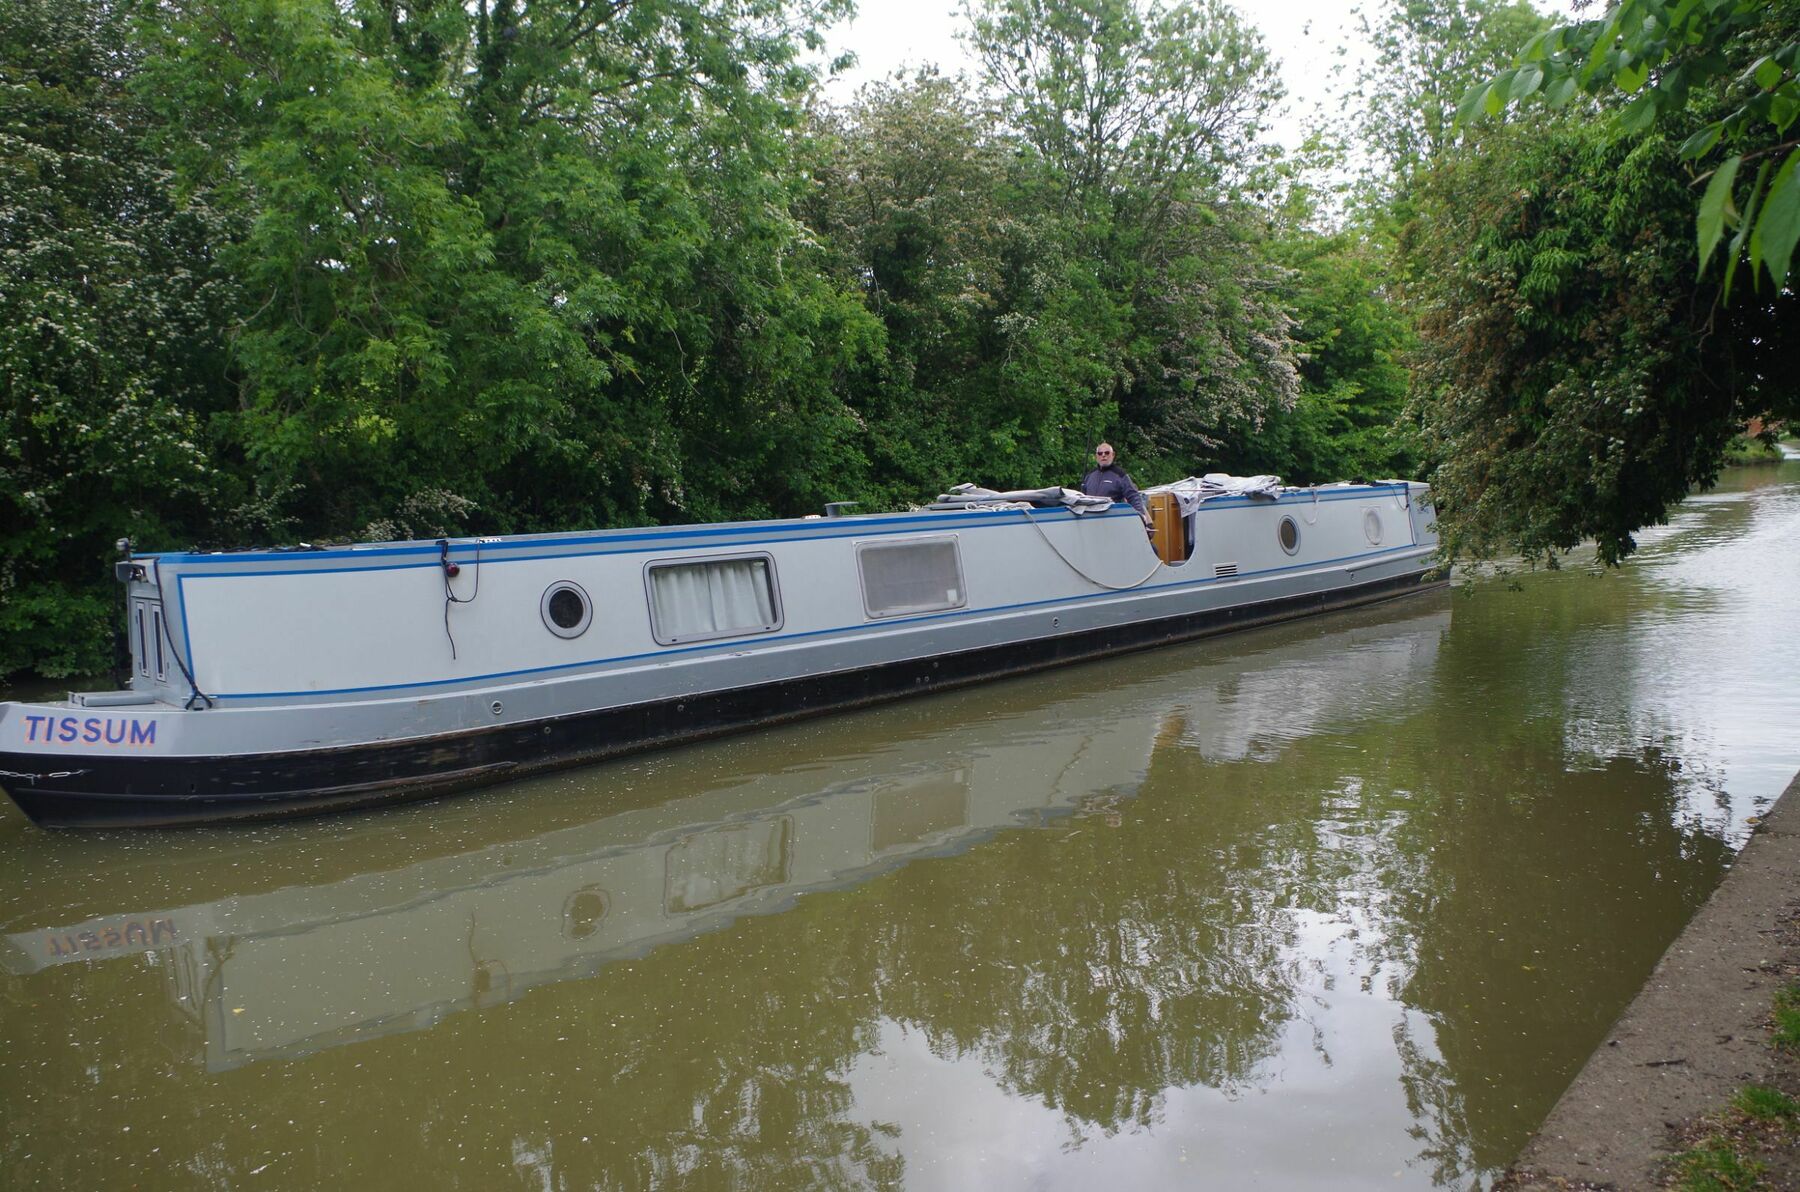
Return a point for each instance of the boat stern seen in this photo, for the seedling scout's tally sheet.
(52, 753)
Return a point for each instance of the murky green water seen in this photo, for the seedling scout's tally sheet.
(1344, 903)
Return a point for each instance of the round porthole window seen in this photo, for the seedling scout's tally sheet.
(1372, 527)
(566, 609)
(1288, 532)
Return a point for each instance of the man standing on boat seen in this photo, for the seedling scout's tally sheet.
(1108, 479)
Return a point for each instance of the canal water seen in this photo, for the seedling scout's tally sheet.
(1343, 903)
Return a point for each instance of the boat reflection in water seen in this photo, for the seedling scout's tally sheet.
(288, 971)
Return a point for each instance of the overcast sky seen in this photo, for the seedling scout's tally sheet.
(1304, 35)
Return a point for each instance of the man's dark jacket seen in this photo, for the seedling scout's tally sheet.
(1111, 481)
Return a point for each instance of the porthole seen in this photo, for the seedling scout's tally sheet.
(566, 609)
(1288, 533)
(1372, 527)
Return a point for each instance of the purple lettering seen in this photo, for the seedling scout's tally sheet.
(136, 933)
(90, 730)
(111, 937)
(31, 726)
(143, 732)
(89, 940)
(159, 928)
(61, 945)
(110, 726)
(68, 730)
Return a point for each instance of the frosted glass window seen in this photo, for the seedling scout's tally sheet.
(919, 576)
(713, 598)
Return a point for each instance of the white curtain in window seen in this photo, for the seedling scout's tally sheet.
(708, 599)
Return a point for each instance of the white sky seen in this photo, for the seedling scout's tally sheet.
(1306, 36)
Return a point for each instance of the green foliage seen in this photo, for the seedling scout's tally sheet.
(1144, 120)
(1354, 340)
(1427, 53)
(1745, 449)
(324, 269)
(562, 287)
(920, 201)
(1648, 60)
(1128, 93)
(1574, 381)
(111, 302)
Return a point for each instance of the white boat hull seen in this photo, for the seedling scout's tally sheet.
(297, 682)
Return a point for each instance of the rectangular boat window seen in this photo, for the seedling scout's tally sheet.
(708, 598)
(142, 643)
(916, 576)
(156, 628)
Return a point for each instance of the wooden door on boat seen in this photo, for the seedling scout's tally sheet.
(1167, 533)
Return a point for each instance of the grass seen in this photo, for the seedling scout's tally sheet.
(1766, 1104)
(1787, 1018)
(1714, 1166)
(1746, 450)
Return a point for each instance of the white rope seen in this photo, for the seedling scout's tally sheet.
(1098, 583)
(1315, 516)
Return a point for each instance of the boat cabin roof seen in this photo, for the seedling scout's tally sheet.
(712, 533)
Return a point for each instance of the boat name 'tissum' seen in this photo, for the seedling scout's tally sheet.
(92, 730)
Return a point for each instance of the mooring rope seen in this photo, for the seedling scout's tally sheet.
(1099, 583)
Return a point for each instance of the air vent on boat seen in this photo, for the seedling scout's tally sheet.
(1225, 571)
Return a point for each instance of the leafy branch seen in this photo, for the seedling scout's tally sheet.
(1648, 58)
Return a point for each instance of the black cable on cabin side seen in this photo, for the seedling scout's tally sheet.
(194, 692)
(450, 570)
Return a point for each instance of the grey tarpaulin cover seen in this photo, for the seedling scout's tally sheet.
(1189, 493)
(969, 496)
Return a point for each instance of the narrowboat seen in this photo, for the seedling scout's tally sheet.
(286, 682)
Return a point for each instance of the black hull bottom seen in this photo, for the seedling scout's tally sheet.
(164, 791)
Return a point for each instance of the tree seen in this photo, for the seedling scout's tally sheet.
(535, 262)
(1427, 55)
(930, 214)
(1144, 119)
(1574, 380)
(1128, 94)
(1650, 59)
(1354, 339)
(111, 300)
